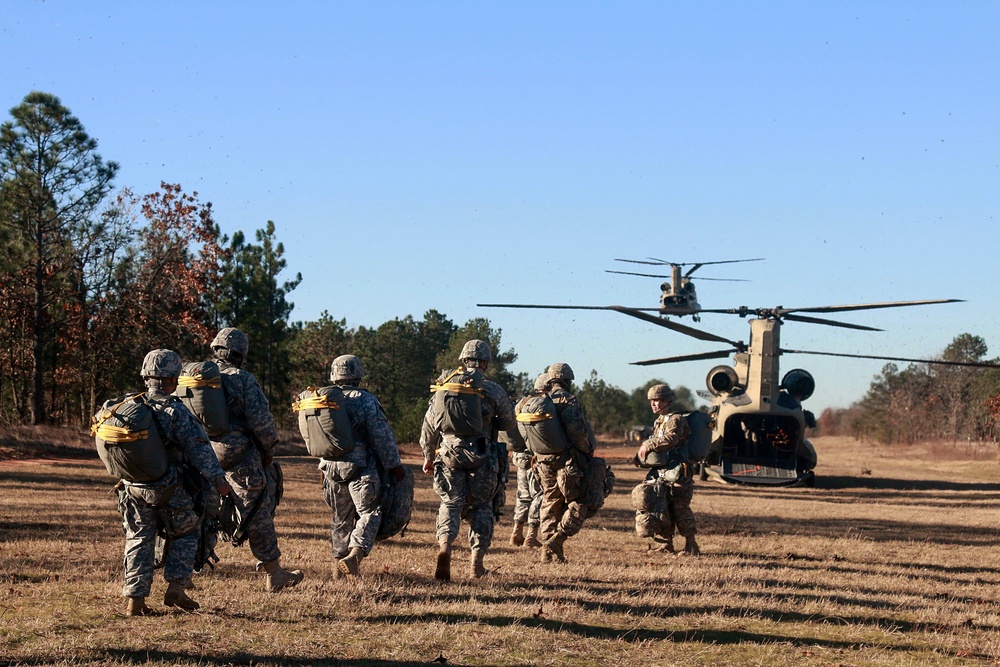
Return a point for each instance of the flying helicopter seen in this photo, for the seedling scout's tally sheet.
(678, 295)
(755, 428)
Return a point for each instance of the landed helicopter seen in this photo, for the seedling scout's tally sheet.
(678, 295)
(754, 430)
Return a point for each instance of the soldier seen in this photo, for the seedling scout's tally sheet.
(166, 505)
(561, 475)
(246, 455)
(669, 439)
(467, 467)
(528, 502)
(352, 485)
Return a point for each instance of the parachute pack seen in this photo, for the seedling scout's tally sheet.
(458, 403)
(539, 424)
(324, 423)
(200, 389)
(599, 482)
(128, 440)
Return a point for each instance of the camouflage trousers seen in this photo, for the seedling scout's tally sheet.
(528, 502)
(676, 511)
(467, 494)
(250, 482)
(561, 479)
(352, 492)
(175, 518)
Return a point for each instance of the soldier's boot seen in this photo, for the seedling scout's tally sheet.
(691, 546)
(137, 607)
(351, 564)
(443, 570)
(517, 537)
(531, 537)
(176, 597)
(476, 567)
(278, 577)
(554, 546)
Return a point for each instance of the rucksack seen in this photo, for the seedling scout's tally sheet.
(539, 424)
(599, 482)
(129, 441)
(396, 506)
(200, 389)
(458, 403)
(324, 422)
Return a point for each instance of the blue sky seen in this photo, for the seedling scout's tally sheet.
(439, 155)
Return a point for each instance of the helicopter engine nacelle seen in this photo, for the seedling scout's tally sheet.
(799, 384)
(722, 380)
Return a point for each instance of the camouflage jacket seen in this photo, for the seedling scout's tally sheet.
(370, 427)
(572, 418)
(183, 431)
(498, 421)
(669, 431)
(249, 411)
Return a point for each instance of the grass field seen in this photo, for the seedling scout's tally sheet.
(891, 560)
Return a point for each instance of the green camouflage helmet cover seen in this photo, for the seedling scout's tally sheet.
(232, 339)
(346, 367)
(475, 349)
(560, 371)
(161, 364)
(661, 392)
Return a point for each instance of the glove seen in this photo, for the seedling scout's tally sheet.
(266, 459)
(398, 473)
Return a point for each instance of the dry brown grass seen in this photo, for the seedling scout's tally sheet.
(891, 560)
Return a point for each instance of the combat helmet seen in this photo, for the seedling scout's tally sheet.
(660, 392)
(231, 344)
(345, 368)
(541, 382)
(476, 350)
(560, 371)
(161, 364)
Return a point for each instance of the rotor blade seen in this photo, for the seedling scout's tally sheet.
(721, 354)
(832, 323)
(974, 364)
(724, 280)
(556, 307)
(639, 261)
(680, 328)
(629, 273)
(865, 306)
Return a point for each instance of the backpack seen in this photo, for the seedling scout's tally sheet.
(128, 440)
(200, 389)
(458, 403)
(324, 422)
(396, 506)
(599, 483)
(539, 424)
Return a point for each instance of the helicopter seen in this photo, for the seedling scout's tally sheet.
(754, 430)
(678, 295)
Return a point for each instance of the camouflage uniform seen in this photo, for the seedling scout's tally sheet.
(670, 434)
(352, 484)
(250, 418)
(469, 494)
(165, 505)
(528, 502)
(561, 475)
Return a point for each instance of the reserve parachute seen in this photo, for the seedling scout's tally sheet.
(128, 440)
(199, 387)
(324, 423)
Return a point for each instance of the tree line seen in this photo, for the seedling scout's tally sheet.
(927, 401)
(92, 278)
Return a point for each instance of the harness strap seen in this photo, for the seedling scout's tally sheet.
(533, 417)
(197, 380)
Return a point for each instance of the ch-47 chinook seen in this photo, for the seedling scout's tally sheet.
(755, 427)
(678, 295)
